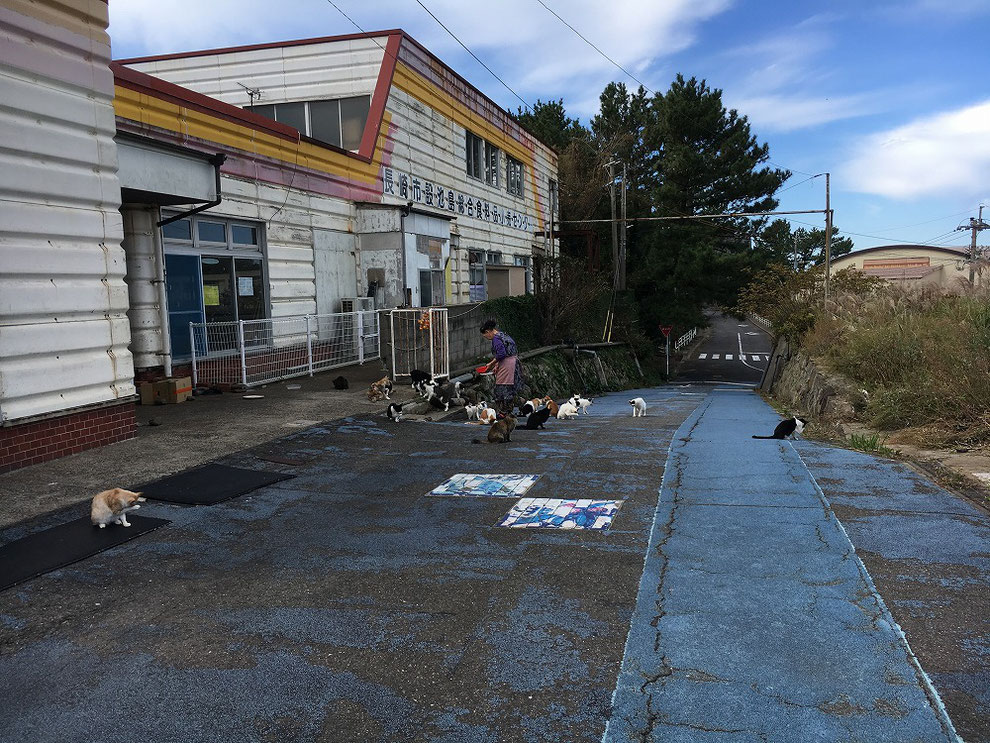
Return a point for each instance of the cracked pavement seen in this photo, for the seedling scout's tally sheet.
(756, 620)
(346, 605)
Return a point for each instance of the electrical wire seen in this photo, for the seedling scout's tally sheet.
(477, 59)
(585, 40)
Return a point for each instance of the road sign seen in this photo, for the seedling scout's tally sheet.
(665, 329)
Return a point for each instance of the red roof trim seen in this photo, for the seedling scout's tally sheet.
(150, 85)
(252, 47)
(380, 97)
(388, 61)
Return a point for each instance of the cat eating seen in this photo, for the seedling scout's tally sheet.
(787, 428)
(111, 507)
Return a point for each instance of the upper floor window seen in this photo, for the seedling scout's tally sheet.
(473, 145)
(338, 122)
(514, 176)
(481, 159)
(491, 164)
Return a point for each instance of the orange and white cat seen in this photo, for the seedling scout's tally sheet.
(111, 507)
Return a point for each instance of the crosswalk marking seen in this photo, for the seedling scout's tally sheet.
(732, 357)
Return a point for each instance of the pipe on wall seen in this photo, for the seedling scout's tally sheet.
(159, 249)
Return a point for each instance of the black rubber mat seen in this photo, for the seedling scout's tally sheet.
(65, 544)
(209, 484)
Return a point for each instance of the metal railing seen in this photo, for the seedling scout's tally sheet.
(420, 339)
(685, 339)
(762, 322)
(252, 352)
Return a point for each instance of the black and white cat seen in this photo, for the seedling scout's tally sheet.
(394, 412)
(418, 377)
(787, 428)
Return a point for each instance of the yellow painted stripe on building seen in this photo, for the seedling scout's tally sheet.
(153, 111)
(411, 82)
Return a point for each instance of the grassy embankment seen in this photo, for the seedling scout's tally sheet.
(922, 356)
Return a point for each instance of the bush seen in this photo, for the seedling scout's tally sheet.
(922, 355)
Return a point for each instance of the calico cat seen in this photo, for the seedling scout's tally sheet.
(487, 415)
(638, 407)
(380, 390)
(787, 428)
(537, 418)
(340, 383)
(531, 406)
(499, 432)
(111, 507)
(394, 412)
(474, 411)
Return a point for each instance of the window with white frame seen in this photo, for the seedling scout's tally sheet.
(491, 164)
(524, 262)
(493, 258)
(476, 275)
(338, 121)
(482, 160)
(474, 148)
(514, 176)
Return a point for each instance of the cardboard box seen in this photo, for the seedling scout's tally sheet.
(149, 393)
(178, 389)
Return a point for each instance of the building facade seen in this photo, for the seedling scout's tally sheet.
(915, 265)
(271, 181)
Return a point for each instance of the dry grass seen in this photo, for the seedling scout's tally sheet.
(923, 357)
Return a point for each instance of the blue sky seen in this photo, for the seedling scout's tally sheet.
(892, 98)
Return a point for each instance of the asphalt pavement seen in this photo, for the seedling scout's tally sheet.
(726, 602)
(734, 351)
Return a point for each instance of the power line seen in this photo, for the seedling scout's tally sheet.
(477, 59)
(585, 40)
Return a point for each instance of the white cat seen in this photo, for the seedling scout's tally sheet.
(472, 411)
(567, 410)
(638, 407)
(581, 402)
(111, 507)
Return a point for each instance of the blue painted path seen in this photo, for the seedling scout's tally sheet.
(755, 619)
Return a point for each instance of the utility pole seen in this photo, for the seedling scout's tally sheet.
(795, 251)
(615, 227)
(976, 225)
(828, 233)
(622, 241)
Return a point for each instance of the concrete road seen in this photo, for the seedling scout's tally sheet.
(347, 605)
(736, 351)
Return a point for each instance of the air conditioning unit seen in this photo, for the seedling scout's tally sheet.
(355, 304)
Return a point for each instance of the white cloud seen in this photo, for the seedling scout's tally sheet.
(786, 113)
(944, 154)
(522, 42)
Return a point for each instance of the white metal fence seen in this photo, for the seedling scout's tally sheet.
(420, 340)
(762, 322)
(685, 339)
(254, 352)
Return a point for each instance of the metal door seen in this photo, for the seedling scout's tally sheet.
(184, 293)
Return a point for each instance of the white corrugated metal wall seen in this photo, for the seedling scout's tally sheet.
(64, 332)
